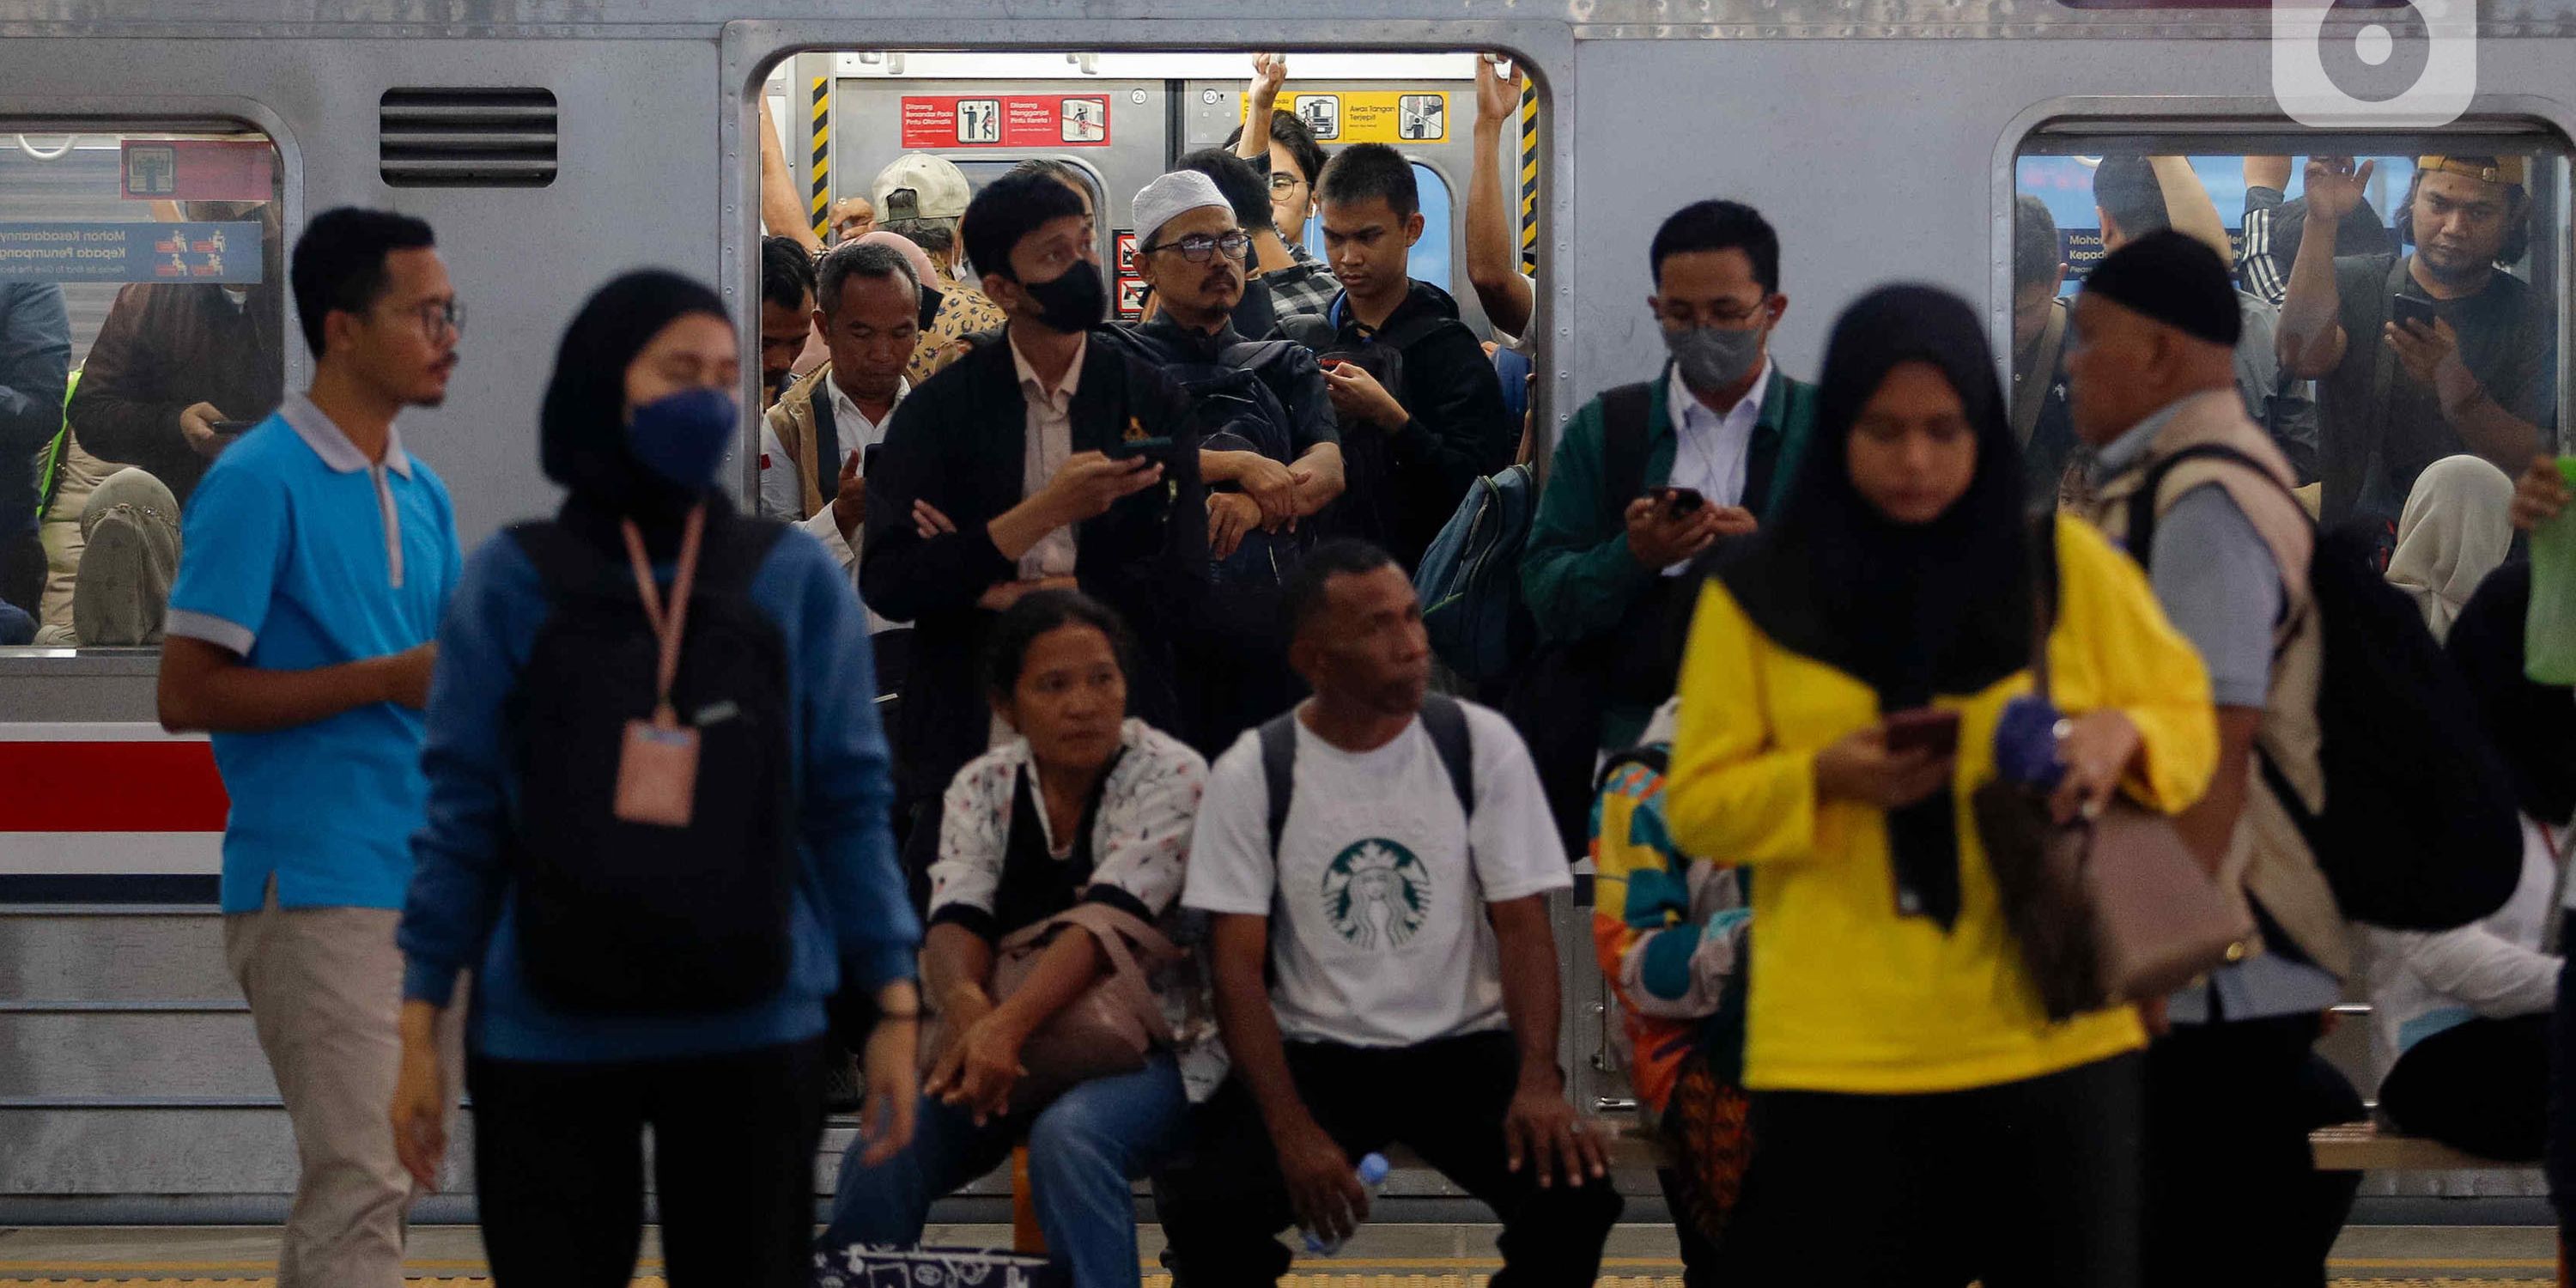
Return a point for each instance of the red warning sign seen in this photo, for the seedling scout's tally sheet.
(199, 170)
(1006, 121)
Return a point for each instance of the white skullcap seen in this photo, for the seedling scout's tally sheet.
(1173, 195)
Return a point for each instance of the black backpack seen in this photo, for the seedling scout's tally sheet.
(2420, 829)
(1237, 412)
(1442, 718)
(626, 918)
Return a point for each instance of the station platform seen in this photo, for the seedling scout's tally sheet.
(1387, 1255)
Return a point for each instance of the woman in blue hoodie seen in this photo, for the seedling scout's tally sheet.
(651, 932)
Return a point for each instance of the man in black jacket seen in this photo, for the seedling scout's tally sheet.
(1270, 445)
(1422, 423)
(995, 480)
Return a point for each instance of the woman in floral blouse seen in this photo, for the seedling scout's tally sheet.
(1083, 806)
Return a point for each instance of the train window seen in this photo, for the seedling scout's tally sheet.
(2357, 277)
(142, 322)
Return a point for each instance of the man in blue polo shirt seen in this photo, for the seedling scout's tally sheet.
(317, 557)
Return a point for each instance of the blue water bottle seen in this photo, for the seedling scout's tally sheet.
(1372, 1174)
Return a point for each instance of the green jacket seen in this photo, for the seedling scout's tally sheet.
(1576, 573)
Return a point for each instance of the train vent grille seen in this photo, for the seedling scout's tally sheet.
(467, 138)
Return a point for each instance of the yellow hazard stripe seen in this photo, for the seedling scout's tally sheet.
(1529, 178)
(821, 208)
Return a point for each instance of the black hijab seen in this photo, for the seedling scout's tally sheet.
(1910, 610)
(2532, 724)
(582, 427)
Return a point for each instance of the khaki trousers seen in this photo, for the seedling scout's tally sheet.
(325, 991)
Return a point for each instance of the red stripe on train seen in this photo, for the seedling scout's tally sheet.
(110, 787)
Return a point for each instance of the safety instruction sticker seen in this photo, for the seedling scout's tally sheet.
(1006, 121)
(199, 170)
(226, 253)
(1373, 116)
(1131, 284)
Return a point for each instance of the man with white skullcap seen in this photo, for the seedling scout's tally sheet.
(1271, 455)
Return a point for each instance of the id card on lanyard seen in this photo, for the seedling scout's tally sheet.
(657, 763)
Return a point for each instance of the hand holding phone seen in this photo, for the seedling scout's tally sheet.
(1923, 729)
(1679, 502)
(1159, 449)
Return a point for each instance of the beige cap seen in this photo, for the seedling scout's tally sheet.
(2488, 169)
(921, 186)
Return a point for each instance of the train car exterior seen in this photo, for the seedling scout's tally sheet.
(1883, 137)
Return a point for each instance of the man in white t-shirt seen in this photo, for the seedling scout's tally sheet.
(1400, 895)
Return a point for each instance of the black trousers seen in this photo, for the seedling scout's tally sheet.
(2030, 1184)
(2233, 1195)
(22, 572)
(559, 1162)
(2482, 1086)
(1699, 1253)
(1223, 1206)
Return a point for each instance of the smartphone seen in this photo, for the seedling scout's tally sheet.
(1924, 729)
(1680, 502)
(868, 458)
(1157, 448)
(2406, 308)
(231, 426)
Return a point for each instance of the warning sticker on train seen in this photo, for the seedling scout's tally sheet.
(227, 253)
(198, 170)
(1005, 121)
(1376, 116)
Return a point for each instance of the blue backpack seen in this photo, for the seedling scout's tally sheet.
(1470, 578)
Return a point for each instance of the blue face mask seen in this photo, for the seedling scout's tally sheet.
(682, 438)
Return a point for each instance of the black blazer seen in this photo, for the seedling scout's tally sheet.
(958, 443)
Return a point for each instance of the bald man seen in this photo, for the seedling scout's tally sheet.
(2152, 375)
(852, 219)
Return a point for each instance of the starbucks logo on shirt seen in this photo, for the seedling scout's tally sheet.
(1376, 894)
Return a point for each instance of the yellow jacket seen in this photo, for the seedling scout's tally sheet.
(1848, 996)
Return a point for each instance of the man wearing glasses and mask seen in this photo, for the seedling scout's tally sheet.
(1648, 477)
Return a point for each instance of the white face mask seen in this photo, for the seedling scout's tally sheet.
(238, 295)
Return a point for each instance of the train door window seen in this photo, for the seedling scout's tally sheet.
(980, 171)
(1430, 261)
(142, 330)
(2444, 256)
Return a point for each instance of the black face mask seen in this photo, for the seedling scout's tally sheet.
(1073, 302)
(930, 301)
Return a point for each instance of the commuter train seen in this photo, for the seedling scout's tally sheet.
(553, 143)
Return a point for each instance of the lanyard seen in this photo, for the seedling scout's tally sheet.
(667, 628)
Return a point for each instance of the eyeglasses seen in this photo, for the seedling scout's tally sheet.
(1198, 246)
(1285, 183)
(440, 316)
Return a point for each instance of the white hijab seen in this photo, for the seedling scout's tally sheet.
(2456, 530)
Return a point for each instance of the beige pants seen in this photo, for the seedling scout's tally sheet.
(325, 990)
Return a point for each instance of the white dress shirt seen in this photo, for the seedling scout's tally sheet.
(1048, 442)
(1709, 448)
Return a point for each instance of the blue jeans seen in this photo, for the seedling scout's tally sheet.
(1084, 1149)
